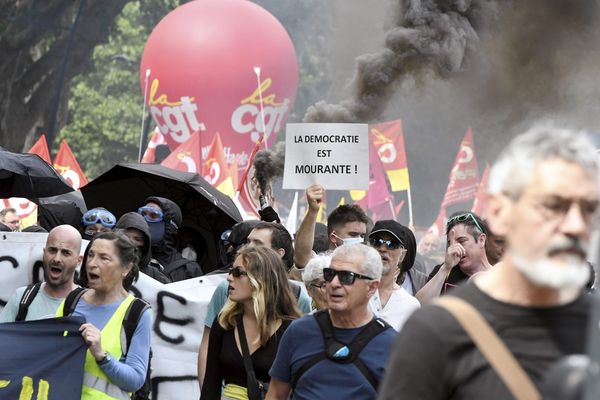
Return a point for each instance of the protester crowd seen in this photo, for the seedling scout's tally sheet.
(376, 313)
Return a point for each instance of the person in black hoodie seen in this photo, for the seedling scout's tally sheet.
(136, 228)
(164, 219)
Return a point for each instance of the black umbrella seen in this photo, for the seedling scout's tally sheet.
(124, 188)
(29, 176)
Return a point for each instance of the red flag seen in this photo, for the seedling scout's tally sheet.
(481, 199)
(438, 226)
(378, 198)
(156, 138)
(249, 192)
(389, 142)
(41, 149)
(66, 164)
(187, 156)
(464, 176)
(215, 169)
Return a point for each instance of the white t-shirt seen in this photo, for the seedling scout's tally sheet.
(398, 308)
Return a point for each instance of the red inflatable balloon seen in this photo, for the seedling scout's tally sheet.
(202, 61)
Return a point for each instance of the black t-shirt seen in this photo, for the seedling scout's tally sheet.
(454, 278)
(433, 358)
(225, 362)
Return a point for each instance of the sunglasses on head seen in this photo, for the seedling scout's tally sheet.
(345, 277)
(390, 244)
(237, 272)
(151, 214)
(104, 217)
(464, 218)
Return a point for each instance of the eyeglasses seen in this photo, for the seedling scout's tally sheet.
(237, 272)
(345, 277)
(318, 285)
(95, 216)
(151, 214)
(390, 244)
(463, 218)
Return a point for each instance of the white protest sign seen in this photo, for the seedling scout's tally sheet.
(333, 155)
(178, 313)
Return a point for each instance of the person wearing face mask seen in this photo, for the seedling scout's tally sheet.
(97, 220)
(347, 224)
(164, 219)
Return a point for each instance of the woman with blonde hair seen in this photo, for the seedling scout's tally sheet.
(243, 344)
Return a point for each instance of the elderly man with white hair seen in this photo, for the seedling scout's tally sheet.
(544, 192)
(339, 353)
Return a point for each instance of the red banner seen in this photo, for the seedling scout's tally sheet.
(187, 156)
(66, 164)
(464, 176)
(438, 227)
(156, 138)
(389, 142)
(481, 199)
(41, 149)
(215, 169)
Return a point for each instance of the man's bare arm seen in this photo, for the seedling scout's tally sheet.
(305, 236)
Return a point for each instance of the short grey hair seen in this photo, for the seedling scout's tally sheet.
(513, 169)
(371, 260)
(313, 271)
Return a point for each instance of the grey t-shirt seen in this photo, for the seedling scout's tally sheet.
(43, 306)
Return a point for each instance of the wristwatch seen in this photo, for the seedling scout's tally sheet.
(105, 360)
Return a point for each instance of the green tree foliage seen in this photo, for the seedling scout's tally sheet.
(105, 107)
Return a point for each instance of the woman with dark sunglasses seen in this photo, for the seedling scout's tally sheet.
(259, 308)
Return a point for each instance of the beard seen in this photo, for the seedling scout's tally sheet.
(572, 273)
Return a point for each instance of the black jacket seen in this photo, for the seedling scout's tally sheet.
(135, 220)
(175, 265)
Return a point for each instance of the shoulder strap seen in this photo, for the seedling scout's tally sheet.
(130, 322)
(28, 295)
(338, 351)
(250, 375)
(72, 300)
(492, 347)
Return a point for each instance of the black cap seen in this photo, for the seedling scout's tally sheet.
(389, 226)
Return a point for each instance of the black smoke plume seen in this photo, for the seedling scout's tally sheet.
(268, 164)
(428, 35)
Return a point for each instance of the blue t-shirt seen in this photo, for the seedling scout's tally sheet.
(129, 373)
(329, 379)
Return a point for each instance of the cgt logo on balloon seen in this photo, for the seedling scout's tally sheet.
(176, 118)
(247, 117)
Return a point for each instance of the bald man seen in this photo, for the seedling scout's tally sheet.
(61, 258)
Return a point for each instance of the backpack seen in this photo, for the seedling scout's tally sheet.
(340, 352)
(28, 295)
(130, 321)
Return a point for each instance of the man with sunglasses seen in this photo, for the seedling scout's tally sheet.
(97, 220)
(313, 365)
(391, 301)
(544, 192)
(465, 256)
